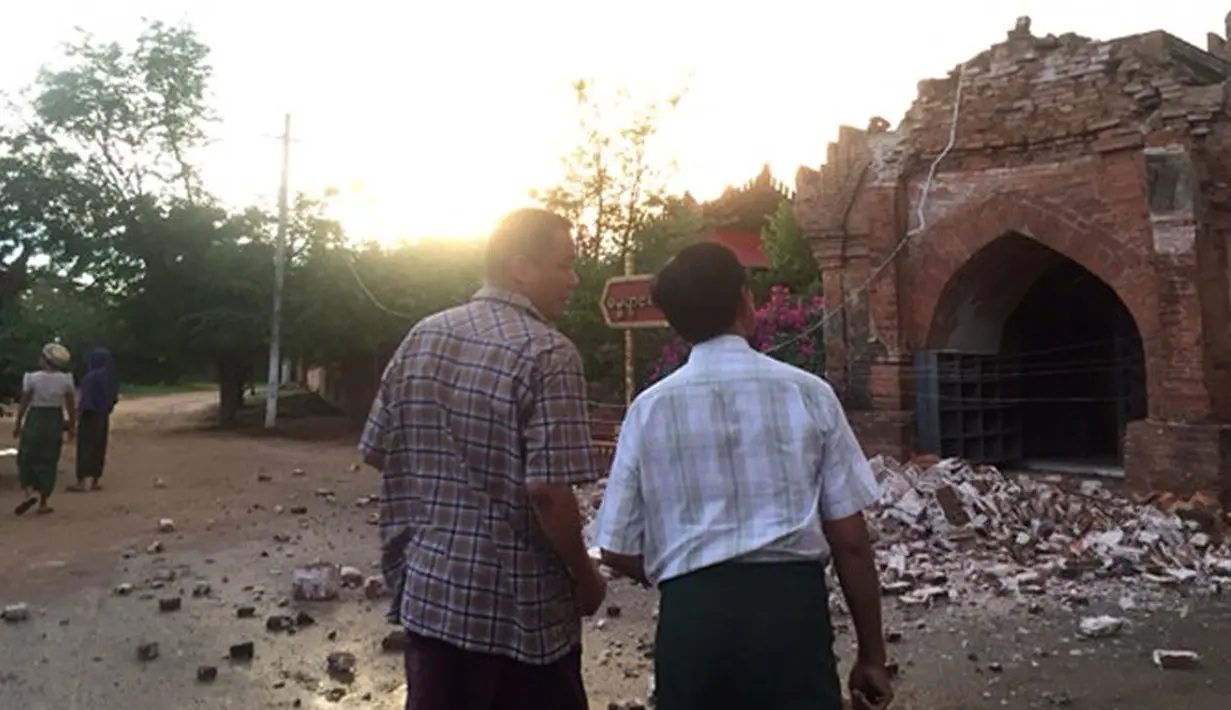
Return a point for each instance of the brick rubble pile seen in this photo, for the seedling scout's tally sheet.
(951, 531)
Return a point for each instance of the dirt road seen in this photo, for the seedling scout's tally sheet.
(231, 498)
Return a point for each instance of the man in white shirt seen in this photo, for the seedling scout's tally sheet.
(736, 480)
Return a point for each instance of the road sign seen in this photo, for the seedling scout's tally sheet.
(626, 303)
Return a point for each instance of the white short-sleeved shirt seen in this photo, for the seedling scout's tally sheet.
(735, 456)
(47, 389)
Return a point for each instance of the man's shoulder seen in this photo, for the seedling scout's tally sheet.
(480, 326)
(808, 383)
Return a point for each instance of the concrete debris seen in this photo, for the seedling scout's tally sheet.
(14, 613)
(951, 530)
(242, 652)
(170, 604)
(154, 548)
(207, 674)
(320, 582)
(341, 666)
(1176, 660)
(1096, 627)
(147, 652)
(278, 623)
(159, 483)
(123, 590)
(201, 589)
(351, 576)
(374, 588)
(299, 472)
(245, 612)
(166, 525)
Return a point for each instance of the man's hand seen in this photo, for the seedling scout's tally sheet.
(591, 591)
(869, 686)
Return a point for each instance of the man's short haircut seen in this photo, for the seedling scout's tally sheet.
(525, 232)
(700, 291)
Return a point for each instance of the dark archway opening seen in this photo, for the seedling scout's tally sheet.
(1032, 360)
(1080, 367)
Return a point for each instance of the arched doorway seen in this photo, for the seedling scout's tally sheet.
(1032, 360)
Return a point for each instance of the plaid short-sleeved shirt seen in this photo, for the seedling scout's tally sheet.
(477, 402)
(735, 456)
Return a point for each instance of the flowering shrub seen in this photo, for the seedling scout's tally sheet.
(788, 329)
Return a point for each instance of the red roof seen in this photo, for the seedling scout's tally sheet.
(746, 245)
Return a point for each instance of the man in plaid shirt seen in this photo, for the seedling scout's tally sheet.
(736, 480)
(480, 430)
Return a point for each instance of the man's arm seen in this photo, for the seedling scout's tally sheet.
(374, 442)
(559, 452)
(848, 486)
(374, 445)
(620, 525)
(856, 567)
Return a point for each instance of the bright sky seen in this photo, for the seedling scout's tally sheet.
(435, 118)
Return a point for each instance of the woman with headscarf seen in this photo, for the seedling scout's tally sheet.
(46, 413)
(100, 389)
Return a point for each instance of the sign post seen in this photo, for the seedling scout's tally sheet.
(626, 303)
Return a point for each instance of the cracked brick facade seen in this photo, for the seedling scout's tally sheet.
(1115, 154)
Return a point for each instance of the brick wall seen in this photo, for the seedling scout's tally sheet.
(1115, 154)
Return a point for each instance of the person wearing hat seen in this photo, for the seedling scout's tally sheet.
(47, 411)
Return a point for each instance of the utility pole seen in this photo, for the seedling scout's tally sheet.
(275, 334)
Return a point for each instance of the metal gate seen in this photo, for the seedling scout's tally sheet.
(968, 406)
(1130, 376)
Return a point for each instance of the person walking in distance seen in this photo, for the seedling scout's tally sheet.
(736, 479)
(46, 415)
(100, 390)
(480, 430)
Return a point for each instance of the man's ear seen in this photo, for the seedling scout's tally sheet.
(522, 269)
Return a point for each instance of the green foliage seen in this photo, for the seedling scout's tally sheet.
(342, 300)
(52, 310)
(132, 114)
(614, 190)
(612, 187)
(790, 259)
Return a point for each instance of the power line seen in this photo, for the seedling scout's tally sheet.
(371, 296)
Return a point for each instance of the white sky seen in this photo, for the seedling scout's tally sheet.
(436, 117)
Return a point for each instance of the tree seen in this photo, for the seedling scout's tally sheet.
(202, 295)
(134, 115)
(53, 310)
(790, 259)
(342, 299)
(105, 135)
(614, 190)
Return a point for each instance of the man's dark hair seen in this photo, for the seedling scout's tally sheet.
(700, 291)
(524, 232)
